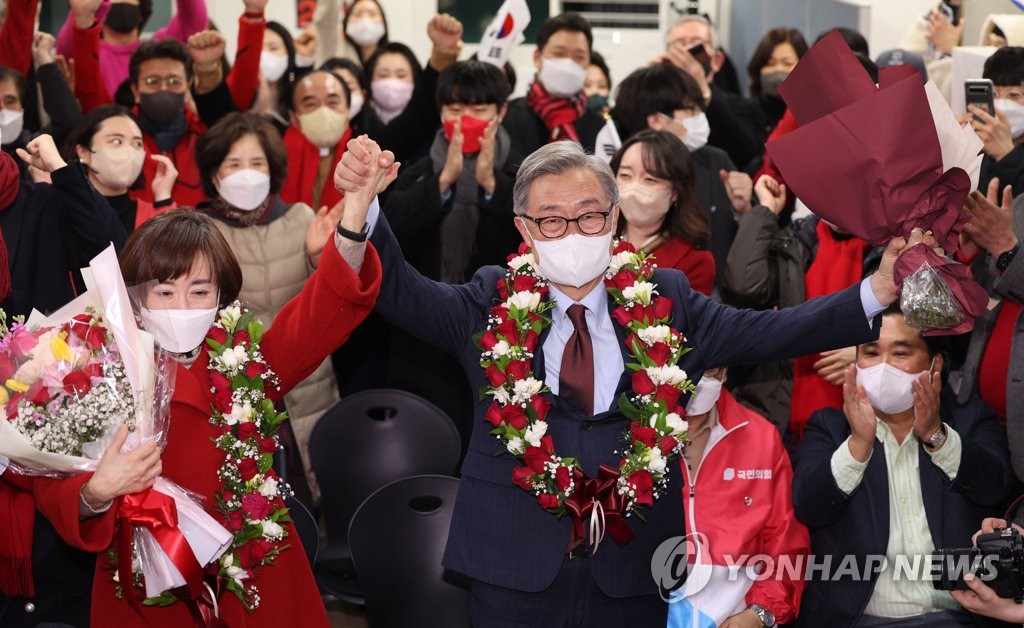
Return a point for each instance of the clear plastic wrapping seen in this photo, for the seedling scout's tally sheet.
(927, 301)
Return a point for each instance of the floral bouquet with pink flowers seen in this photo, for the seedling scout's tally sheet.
(68, 382)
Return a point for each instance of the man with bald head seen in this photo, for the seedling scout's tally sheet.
(318, 108)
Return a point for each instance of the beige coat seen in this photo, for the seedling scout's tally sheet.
(274, 269)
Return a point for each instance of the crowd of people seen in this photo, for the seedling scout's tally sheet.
(358, 201)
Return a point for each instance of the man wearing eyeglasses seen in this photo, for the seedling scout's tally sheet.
(522, 569)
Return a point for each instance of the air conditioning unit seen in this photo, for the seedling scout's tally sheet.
(634, 14)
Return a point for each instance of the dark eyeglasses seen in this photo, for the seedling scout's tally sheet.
(590, 223)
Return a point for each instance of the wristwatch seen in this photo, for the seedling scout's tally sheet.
(1003, 261)
(937, 439)
(764, 615)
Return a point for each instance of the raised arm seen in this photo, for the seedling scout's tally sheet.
(244, 77)
(751, 274)
(190, 18)
(16, 35)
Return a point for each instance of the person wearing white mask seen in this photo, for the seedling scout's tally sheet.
(182, 272)
(278, 69)
(1003, 133)
(109, 144)
(659, 206)
(664, 98)
(555, 106)
(278, 243)
(365, 28)
(736, 469)
(318, 109)
(401, 112)
(901, 471)
(566, 206)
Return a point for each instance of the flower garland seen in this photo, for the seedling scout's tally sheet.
(249, 497)
(518, 409)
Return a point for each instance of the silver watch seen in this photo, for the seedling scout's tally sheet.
(937, 439)
(764, 615)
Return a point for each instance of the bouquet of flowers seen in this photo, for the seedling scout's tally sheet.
(880, 160)
(68, 382)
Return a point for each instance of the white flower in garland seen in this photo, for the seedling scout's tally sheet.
(676, 424)
(657, 461)
(502, 396)
(501, 349)
(654, 334)
(523, 300)
(269, 488)
(668, 374)
(535, 432)
(525, 389)
(234, 358)
(271, 530)
(639, 292)
(519, 261)
(618, 261)
(515, 446)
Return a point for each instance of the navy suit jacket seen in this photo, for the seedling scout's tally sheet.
(858, 523)
(499, 534)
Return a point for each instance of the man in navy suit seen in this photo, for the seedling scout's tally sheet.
(899, 472)
(515, 553)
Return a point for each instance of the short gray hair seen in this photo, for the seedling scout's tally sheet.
(558, 158)
(700, 19)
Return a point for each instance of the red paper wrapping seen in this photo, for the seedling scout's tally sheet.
(868, 159)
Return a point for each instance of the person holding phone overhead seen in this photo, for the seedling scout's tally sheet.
(1002, 130)
(736, 123)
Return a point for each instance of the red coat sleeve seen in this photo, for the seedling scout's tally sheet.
(243, 80)
(58, 500)
(16, 35)
(784, 538)
(89, 87)
(319, 319)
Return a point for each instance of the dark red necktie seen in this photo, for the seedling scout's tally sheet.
(576, 379)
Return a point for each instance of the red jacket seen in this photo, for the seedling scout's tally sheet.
(16, 35)
(697, 265)
(332, 304)
(740, 499)
(188, 189)
(244, 77)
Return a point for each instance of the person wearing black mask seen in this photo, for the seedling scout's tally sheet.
(112, 28)
(160, 73)
(774, 58)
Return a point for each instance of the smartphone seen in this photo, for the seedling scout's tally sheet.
(700, 53)
(950, 10)
(978, 92)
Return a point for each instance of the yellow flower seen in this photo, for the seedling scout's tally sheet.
(15, 385)
(3, 396)
(61, 350)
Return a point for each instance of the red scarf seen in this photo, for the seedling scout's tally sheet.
(17, 511)
(837, 265)
(558, 114)
(9, 183)
(303, 164)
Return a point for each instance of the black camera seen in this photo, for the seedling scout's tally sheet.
(998, 560)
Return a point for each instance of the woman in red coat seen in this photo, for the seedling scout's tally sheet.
(659, 214)
(191, 273)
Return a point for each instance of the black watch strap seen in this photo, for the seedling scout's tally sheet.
(1003, 262)
(352, 235)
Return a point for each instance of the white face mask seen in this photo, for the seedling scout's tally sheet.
(245, 189)
(705, 397)
(11, 124)
(178, 331)
(356, 104)
(391, 95)
(698, 130)
(323, 126)
(273, 66)
(1014, 113)
(365, 32)
(574, 260)
(117, 167)
(562, 78)
(889, 389)
(644, 208)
